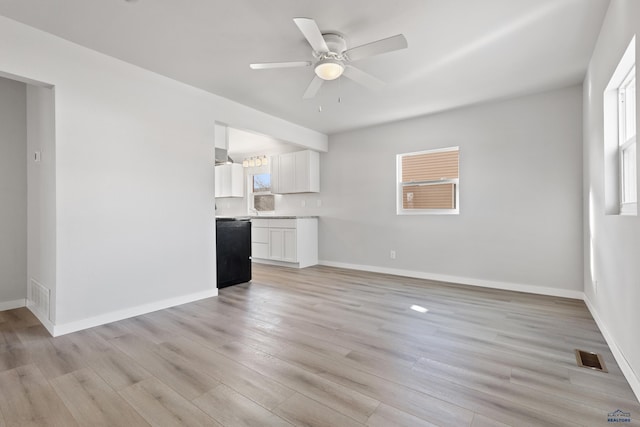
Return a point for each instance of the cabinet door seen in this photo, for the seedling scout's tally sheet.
(276, 243)
(223, 182)
(260, 250)
(289, 251)
(218, 175)
(301, 172)
(287, 174)
(297, 172)
(236, 181)
(275, 174)
(229, 180)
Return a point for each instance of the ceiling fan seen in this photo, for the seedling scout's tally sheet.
(332, 58)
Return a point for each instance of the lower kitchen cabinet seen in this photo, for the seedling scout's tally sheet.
(282, 244)
(285, 241)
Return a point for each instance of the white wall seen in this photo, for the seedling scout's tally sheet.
(41, 178)
(612, 242)
(134, 177)
(13, 194)
(520, 196)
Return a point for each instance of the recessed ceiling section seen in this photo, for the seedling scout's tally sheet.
(459, 52)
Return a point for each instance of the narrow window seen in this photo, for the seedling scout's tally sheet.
(261, 199)
(627, 142)
(620, 153)
(428, 182)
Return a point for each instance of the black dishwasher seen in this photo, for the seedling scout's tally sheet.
(233, 251)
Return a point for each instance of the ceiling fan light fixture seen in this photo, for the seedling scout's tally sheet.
(329, 69)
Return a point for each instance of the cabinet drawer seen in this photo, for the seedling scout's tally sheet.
(262, 222)
(282, 223)
(260, 250)
(259, 235)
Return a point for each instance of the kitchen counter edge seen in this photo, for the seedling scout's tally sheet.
(269, 217)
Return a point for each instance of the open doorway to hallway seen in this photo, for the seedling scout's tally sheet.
(27, 197)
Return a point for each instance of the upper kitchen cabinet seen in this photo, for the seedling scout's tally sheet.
(230, 180)
(297, 172)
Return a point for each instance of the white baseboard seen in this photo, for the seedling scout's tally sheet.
(627, 370)
(10, 305)
(42, 318)
(518, 287)
(278, 263)
(114, 316)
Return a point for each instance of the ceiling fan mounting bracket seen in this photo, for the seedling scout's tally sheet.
(335, 42)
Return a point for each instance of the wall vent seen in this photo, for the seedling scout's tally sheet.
(38, 298)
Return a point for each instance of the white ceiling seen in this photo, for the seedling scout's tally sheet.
(460, 51)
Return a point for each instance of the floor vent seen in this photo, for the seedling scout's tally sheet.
(38, 298)
(587, 359)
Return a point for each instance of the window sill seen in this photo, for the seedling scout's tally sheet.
(429, 212)
(629, 209)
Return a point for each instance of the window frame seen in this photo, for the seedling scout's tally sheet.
(252, 194)
(626, 143)
(400, 210)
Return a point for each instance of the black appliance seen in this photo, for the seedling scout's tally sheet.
(233, 251)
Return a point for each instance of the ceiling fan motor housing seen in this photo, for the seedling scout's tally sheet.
(336, 43)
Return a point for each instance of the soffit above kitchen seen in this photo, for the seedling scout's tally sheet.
(460, 52)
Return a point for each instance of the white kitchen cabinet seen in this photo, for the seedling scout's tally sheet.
(282, 244)
(229, 180)
(285, 241)
(297, 172)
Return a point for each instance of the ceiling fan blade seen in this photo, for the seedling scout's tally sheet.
(312, 33)
(268, 65)
(365, 79)
(313, 88)
(376, 48)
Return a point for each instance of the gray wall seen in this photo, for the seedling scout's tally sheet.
(612, 242)
(13, 193)
(41, 179)
(520, 220)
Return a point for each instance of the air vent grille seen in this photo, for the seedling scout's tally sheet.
(587, 359)
(38, 298)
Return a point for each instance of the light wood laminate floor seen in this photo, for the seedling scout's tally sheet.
(319, 347)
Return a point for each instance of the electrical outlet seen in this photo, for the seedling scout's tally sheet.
(303, 203)
(392, 254)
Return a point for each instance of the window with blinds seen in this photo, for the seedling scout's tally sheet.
(428, 181)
